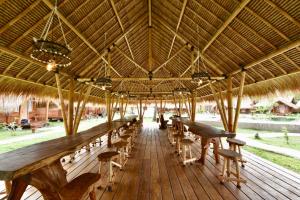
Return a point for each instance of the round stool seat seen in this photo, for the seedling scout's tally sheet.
(120, 144)
(106, 156)
(229, 153)
(75, 189)
(187, 141)
(235, 141)
(125, 136)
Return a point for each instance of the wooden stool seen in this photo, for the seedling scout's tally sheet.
(108, 157)
(178, 137)
(228, 156)
(121, 148)
(79, 187)
(127, 138)
(235, 144)
(187, 146)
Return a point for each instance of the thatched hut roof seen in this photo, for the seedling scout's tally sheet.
(259, 36)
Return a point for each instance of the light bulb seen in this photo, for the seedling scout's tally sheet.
(103, 87)
(50, 65)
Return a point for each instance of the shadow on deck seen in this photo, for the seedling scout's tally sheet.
(154, 172)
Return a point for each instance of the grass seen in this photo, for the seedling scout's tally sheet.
(16, 145)
(282, 160)
(4, 134)
(294, 142)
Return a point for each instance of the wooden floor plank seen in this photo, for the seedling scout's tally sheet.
(155, 172)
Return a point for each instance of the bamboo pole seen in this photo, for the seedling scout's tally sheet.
(62, 104)
(161, 106)
(47, 110)
(122, 109)
(71, 106)
(188, 111)
(86, 97)
(222, 103)
(114, 108)
(78, 104)
(180, 106)
(219, 106)
(193, 109)
(229, 102)
(108, 106)
(141, 108)
(125, 106)
(175, 104)
(239, 100)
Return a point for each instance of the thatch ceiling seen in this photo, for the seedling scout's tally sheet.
(261, 36)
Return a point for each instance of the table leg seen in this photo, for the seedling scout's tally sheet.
(18, 187)
(216, 142)
(204, 148)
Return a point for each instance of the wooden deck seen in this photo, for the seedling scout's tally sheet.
(154, 172)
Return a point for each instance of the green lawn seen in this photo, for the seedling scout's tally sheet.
(282, 160)
(17, 145)
(4, 134)
(294, 142)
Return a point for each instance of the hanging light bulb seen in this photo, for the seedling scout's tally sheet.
(103, 87)
(51, 65)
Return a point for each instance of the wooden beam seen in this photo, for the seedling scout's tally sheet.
(108, 106)
(219, 106)
(136, 64)
(19, 16)
(229, 103)
(62, 104)
(284, 13)
(239, 100)
(78, 105)
(122, 109)
(177, 27)
(86, 96)
(71, 106)
(168, 60)
(222, 102)
(10, 65)
(189, 46)
(124, 113)
(141, 110)
(236, 11)
(121, 25)
(193, 110)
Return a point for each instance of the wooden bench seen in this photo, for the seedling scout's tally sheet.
(26, 166)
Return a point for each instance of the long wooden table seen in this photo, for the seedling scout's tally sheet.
(39, 164)
(208, 134)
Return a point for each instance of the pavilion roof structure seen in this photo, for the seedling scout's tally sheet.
(261, 37)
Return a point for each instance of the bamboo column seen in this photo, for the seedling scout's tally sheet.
(122, 108)
(141, 110)
(71, 106)
(229, 102)
(86, 97)
(180, 106)
(193, 102)
(219, 107)
(62, 104)
(108, 106)
(222, 103)
(175, 105)
(47, 110)
(161, 106)
(239, 100)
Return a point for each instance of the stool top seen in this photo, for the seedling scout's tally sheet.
(125, 136)
(187, 141)
(106, 156)
(120, 144)
(236, 141)
(229, 153)
(78, 186)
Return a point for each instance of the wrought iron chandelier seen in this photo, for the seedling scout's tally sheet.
(49, 52)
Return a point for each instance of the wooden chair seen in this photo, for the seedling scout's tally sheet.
(226, 171)
(108, 157)
(127, 138)
(170, 132)
(121, 148)
(235, 145)
(187, 146)
(80, 187)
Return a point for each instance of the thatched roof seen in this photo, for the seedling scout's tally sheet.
(259, 36)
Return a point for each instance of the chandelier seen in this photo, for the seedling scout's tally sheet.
(49, 52)
(199, 77)
(103, 82)
(181, 91)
